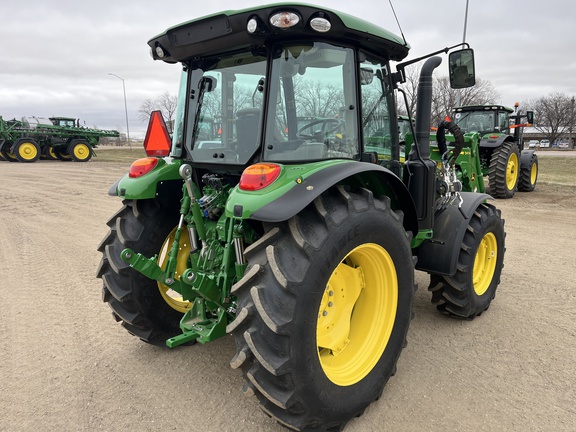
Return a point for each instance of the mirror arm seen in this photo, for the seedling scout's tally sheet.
(400, 75)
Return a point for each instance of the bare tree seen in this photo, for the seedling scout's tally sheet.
(553, 115)
(410, 87)
(166, 103)
(444, 97)
(318, 99)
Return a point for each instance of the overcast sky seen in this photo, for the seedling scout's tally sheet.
(57, 54)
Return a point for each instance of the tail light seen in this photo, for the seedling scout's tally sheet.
(259, 176)
(142, 166)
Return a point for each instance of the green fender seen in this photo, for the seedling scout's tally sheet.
(439, 255)
(146, 186)
(299, 185)
(488, 142)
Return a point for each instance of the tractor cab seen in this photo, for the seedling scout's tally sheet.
(286, 85)
(286, 100)
(65, 121)
(484, 119)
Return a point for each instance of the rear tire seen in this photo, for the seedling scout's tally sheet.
(49, 153)
(504, 170)
(62, 154)
(471, 290)
(136, 300)
(528, 174)
(324, 309)
(6, 152)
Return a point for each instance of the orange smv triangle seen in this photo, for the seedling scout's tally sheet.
(157, 141)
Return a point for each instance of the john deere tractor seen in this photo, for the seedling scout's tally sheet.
(502, 158)
(299, 240)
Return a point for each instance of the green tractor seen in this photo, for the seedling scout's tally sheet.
(502, 158)
(299, 240)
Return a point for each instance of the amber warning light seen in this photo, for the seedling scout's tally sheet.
(157, 141)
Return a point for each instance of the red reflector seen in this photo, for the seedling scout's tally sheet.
(142, 166)
(258, 176)
(157, 141)
(493, 136)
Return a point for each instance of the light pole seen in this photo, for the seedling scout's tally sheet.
(125, 108)
(458, 96)
(571, 122)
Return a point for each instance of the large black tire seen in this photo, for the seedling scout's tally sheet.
(528, 174)
(62, 154)
(298, 303)
(26, 150)
(504, 170)
(80, 150)
(136, 300)
(471, 290)
(6, 152)
(48, 153)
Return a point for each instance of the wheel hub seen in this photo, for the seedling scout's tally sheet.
(485, 263)
(357, 314)
(512, 171)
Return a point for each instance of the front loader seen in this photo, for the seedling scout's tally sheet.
(300, 238)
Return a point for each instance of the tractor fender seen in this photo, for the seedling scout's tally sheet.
(439, 255)
(486, 142)
(380, 180)
(146, 186)
(526, 158)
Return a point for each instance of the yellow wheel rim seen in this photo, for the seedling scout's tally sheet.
(27, 151)
(170, 296)
(512, 171)
(533, 174)
(357, 314)
(485, 263)
(81, 151)
(51, 153)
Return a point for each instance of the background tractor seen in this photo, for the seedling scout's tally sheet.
(502, 158)
(301, 240)
(61, 138)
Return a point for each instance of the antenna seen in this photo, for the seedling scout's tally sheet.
(398, 22)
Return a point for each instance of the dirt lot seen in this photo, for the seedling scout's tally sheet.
(65, 365)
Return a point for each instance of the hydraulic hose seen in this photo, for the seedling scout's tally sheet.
(441, 138)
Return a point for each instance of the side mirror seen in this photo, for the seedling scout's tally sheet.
(366, 76)
(461, 66)
(530, 117)
(209, 83)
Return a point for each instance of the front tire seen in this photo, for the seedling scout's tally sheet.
(528, 174)
(27, 150)
(80, 151)
(323, 310)
(137, 301)
(504, 170)
(470, 291)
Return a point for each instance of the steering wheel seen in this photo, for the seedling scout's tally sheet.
(324, 123)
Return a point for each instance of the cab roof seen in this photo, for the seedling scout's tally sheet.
(226, 31)
(487, 107)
